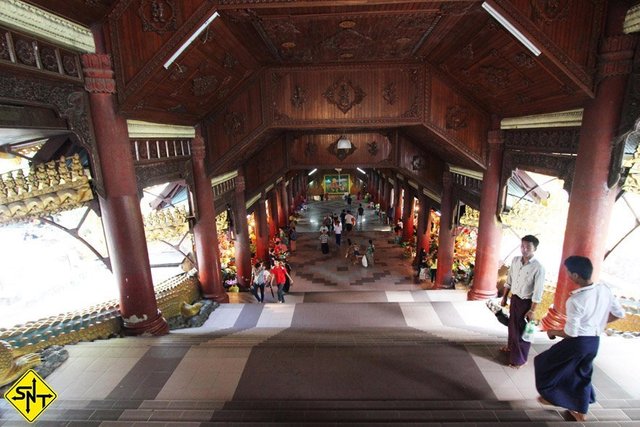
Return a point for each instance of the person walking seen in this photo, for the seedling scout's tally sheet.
(279, 276)
(369, 253)
(324, 242)
(337, 230)
(563, 372)
(525, 281)
(258, 280)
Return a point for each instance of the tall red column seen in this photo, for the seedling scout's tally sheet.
(489, 230)
(423, 233)
(408, 214)
(591, 201)
(273, 213)
(387, 195)
(283, 215)
(205, 234)
(121, 213)
(446, 237)
(241, 244)
(262, 229)
(398, 200)
(290, 199)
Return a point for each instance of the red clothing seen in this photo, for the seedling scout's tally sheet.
(280, 274)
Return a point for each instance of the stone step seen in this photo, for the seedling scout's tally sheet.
(323, 412)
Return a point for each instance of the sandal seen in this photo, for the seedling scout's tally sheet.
(505, 349)
(577, 415)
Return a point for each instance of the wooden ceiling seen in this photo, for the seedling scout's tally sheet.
(456, 40)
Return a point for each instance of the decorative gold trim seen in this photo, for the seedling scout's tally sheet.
(37, 22)
(466, 172)
(222, 178)
(166, 224)
(632, 20)
(252, 200)
(48, 188)
(551, 120)
(140, 129)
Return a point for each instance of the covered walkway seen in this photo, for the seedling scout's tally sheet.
(351, 345)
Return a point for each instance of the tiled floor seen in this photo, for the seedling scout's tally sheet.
(349, 344)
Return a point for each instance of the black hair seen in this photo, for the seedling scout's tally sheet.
(580, 265)
(532, 239)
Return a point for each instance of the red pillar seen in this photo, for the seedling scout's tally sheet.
(283, 215)
(591, 201)
(121, 213)
(241, 244)
(398, 199)
(407, 217)
(446, 237)
(423, 233)
(205, 234)
(262, 230)
(489, 230)
(290, 199)
(273, 213)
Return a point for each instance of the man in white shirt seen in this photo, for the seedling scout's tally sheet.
(563, 373)
(526, 283)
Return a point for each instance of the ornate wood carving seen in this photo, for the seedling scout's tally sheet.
(494, 76)
(389, 93)
(560, 166)
(229, 61)
(548, 11)
(159, 16)
(418, 162)
(524, 60)
(341, 154)
(98, 73)
(616, 55)
(466, 52)
(204, 85)
(298, 97)
(344, 94)
(70, 101)
(543, 141)
(25, 52)
(234, 123)
(150, 174)
(4, 47)
(49, 59)
(372, 148)
(457, 116)
(310, 149)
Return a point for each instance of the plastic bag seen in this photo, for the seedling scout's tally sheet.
(365, 263)
(529, 331)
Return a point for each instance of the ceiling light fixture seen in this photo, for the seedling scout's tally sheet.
(344, 143)
(361, 171)
(186, 44)
(513, 30)
(312, 172)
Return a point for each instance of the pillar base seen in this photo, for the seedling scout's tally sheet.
(481, 294)
(554, 320)
(220, 298)
(156, 326)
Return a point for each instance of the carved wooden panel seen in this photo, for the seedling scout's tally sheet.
(346, 94)
(556, 140)
(561, 166)
(35, 55)
(199, 80)
(454, 116)
(313, 151)
(236, 126)
(265, 166)
(70, 101)
(321, 37)
(158, 173)
(419, 165)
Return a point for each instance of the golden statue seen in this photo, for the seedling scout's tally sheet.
(12, 368)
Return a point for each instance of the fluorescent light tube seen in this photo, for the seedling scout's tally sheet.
(360, 170)
(312, 172)
(513, 30)
(186, 44)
